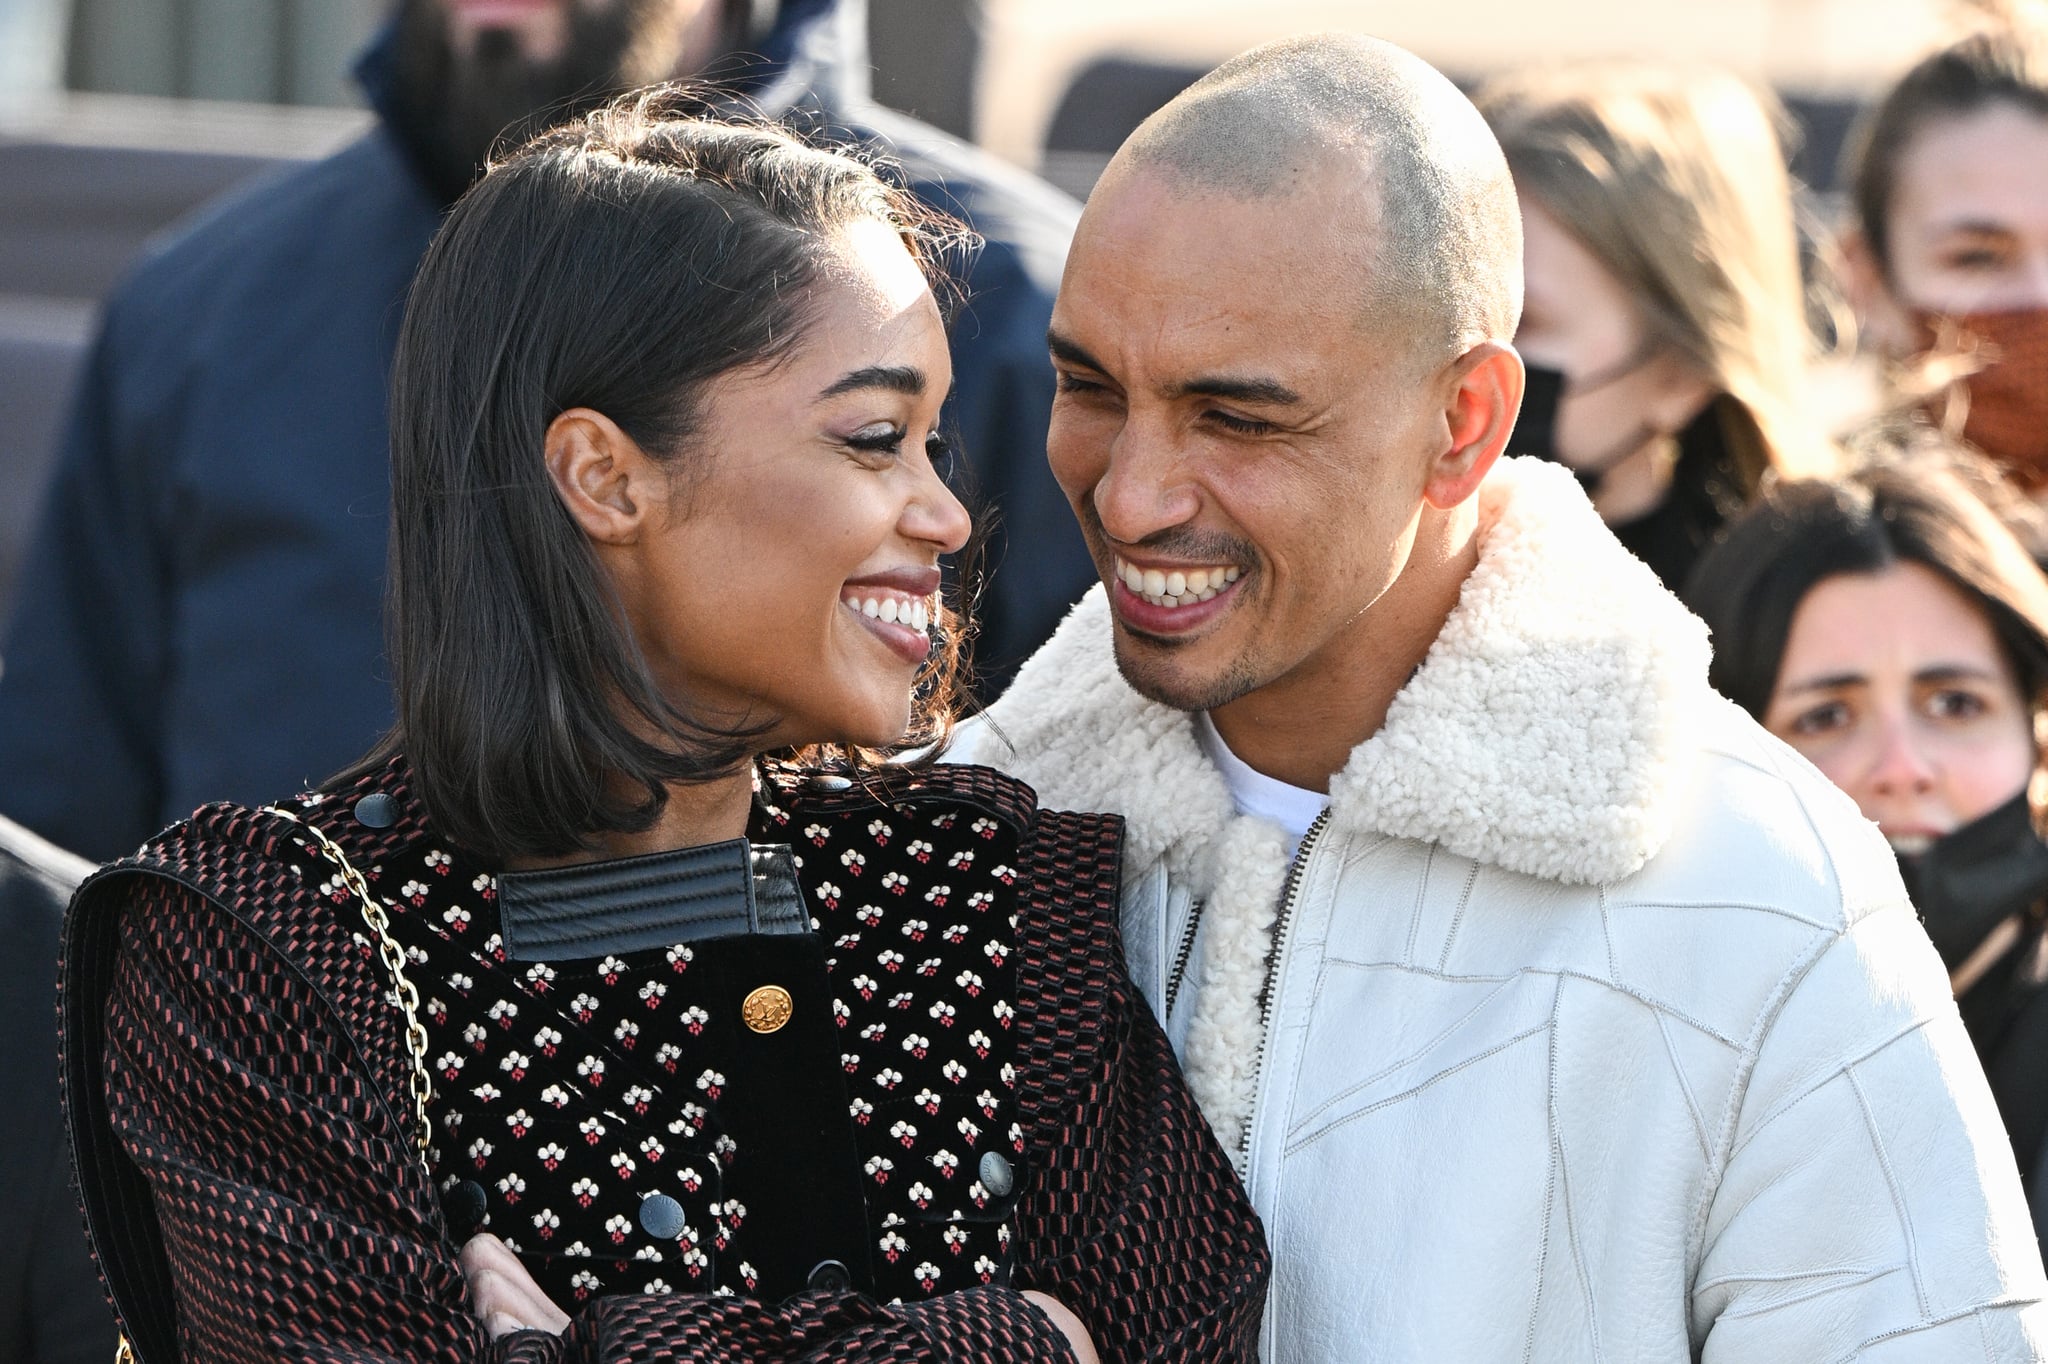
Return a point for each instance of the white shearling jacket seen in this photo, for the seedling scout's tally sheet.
(1589, 1023)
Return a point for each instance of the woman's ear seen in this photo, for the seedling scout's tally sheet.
(1885, 324)
(601, 474)
(1682, 393)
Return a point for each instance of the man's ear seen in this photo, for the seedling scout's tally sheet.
(1485, 394)
(601, 474)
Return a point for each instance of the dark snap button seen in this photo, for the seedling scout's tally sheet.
(661, 1217)
(996, 1175)
(829, 1276)
(465, 1206)
(377, 810)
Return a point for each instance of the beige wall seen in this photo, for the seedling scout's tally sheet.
(1032, 49)
(267, 51)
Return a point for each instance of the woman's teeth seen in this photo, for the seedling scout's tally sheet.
(913, 613)
(1178, 588)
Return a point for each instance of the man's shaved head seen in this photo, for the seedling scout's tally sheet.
(1447, 248)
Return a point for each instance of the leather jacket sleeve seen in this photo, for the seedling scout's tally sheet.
(1878, 1248)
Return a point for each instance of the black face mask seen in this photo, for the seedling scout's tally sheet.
(1971, 880)
(1535, 431)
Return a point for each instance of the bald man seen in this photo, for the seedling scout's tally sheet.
(1551, 1009)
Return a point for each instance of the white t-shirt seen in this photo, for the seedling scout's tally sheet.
(1255, 793)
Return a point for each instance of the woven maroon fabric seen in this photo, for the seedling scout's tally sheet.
(235, 1082)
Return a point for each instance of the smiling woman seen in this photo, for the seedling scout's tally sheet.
(1891, 628)
(626, 993)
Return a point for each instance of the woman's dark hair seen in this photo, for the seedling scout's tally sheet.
(2006, 64)
(1918, 499)
(618, 263)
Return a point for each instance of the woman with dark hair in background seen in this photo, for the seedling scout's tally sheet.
(1947, 257)
(629, 981)
(1664, 321)
(1891, 627)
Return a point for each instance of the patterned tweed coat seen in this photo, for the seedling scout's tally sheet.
(237, 1085)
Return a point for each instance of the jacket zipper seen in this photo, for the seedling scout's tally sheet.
(1180, 960)
(1273, 955)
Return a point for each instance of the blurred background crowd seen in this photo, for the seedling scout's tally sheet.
(1787, 320)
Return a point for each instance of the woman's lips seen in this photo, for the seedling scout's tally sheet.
(901, 619)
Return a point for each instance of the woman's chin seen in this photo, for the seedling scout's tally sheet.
(874, 726)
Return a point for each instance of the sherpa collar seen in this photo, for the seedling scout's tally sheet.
(1544, 732)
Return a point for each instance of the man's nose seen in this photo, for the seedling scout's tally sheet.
(1147, 487)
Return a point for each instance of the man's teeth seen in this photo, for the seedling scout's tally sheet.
(1178, 588)
(915, 614)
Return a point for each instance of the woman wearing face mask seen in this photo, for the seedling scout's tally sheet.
(1664, 322)
(1890, 627)
(1948, 256)
(626, 1003)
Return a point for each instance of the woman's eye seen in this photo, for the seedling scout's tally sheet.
(881, 438)
(939, 451)
(1956, 705)
(1975, 259)
(1243, 426)
(1821, 719)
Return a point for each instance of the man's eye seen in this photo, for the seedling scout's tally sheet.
(1069, 383)
(1243, 426)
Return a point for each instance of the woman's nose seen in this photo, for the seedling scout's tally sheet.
(1901, 764)
(936, 516)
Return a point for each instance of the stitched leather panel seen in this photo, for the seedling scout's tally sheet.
(631, 904)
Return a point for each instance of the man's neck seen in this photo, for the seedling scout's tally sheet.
(1302, 728)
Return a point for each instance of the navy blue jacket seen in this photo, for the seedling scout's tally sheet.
(200, 615)
(51, 1308)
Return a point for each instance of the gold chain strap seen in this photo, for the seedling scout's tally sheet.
(394, 960)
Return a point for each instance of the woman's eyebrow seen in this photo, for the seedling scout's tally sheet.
(1955, 672)
(1827, 682)
(902, 379)
(1973, 227)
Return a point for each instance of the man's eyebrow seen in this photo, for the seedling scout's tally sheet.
(1268, 392)
(895, 378)
(1067, 350)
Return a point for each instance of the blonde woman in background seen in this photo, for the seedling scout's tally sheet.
(1665, 325)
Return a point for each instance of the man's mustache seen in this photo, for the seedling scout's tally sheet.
(1174, 542)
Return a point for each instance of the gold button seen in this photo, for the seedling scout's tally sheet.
(766, 1009)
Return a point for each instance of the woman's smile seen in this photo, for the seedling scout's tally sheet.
(897, 607)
